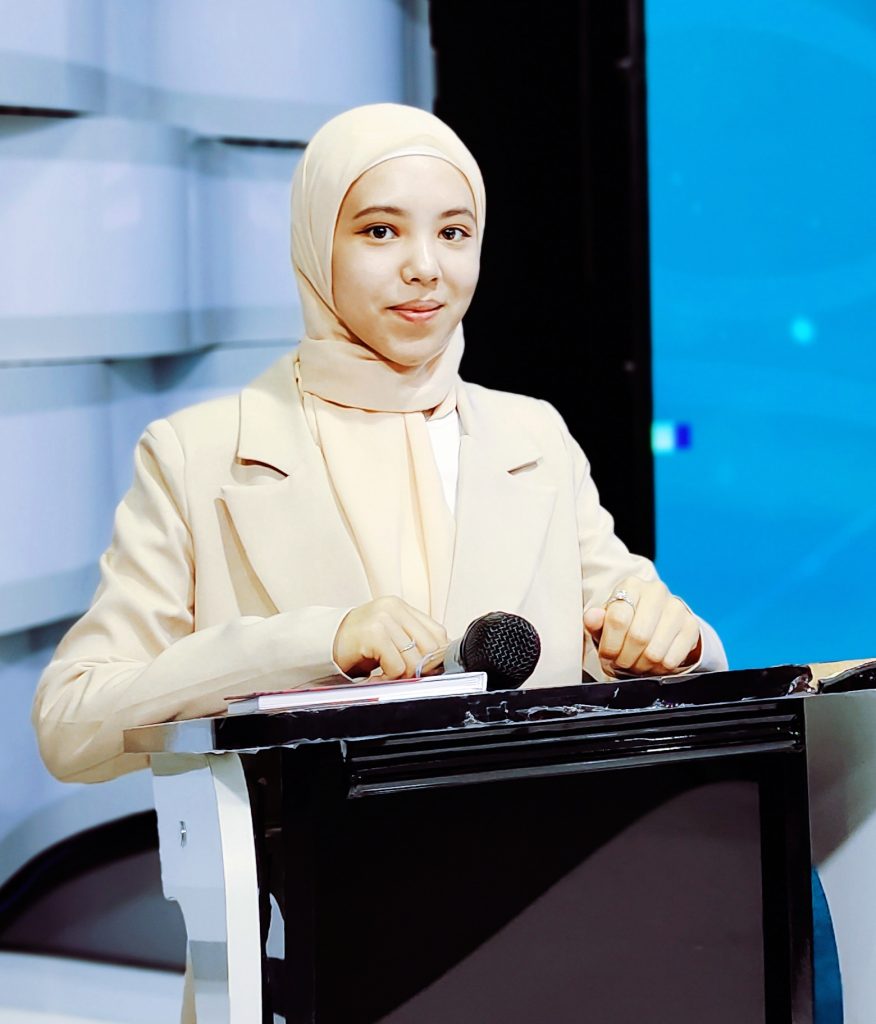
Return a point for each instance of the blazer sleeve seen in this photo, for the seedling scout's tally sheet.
(606, 560)
(135, 658)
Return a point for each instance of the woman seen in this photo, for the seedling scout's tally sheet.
(357, 503)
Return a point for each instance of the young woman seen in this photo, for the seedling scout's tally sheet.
(359, 502)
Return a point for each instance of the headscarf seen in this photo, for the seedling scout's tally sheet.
(367, 414)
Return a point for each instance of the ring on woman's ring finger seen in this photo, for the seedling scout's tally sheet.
(408, 647)
(621, 595)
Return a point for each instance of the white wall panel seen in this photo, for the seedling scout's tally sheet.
(219, 371)
(94, 221)
(265, 69)
(51, 52)
(270, 69)
(243, 286)
(56, 513)
(22, 659)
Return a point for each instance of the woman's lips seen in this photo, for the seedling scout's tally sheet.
(416, 316)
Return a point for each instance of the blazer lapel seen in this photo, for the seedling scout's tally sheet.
(283, 510)
(298, 544)
(502, 516)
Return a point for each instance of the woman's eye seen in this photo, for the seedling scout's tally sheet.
(454, 234)
(379, 231)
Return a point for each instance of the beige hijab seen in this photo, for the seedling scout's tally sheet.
(367, 414)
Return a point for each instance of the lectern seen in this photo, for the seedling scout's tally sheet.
(603, 852)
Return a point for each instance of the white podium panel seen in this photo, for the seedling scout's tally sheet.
(208, 866)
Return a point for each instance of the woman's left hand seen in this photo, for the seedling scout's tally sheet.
(650, 633)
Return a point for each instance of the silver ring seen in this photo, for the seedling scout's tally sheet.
(408, 647)
(621, 595)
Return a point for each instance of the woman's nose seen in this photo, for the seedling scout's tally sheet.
(421, 264)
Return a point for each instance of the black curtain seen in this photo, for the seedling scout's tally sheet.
(550, 98)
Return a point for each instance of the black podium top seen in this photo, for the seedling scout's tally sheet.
(513, 708)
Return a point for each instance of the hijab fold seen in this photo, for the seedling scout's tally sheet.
(366, 414)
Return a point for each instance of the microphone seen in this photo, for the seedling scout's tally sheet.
(505, 646)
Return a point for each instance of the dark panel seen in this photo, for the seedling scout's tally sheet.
(611, 897)
(550, 98)
(602, 866)
(96, 896)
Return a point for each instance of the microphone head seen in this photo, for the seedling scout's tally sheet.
(505, 646)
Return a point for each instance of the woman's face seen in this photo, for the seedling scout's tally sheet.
(405, 257)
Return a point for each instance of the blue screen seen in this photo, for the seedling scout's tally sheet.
(762, 151)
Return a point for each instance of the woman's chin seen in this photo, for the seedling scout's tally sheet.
(409, 352)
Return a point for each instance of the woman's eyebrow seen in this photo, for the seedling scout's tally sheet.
(395, 211)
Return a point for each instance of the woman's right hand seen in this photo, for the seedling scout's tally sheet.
(389, 633)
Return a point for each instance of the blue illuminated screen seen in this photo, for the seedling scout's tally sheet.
(762, 136)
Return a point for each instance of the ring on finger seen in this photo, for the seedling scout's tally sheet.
(408, 647)
(621, 595)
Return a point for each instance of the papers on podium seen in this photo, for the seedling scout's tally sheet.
(449, 685)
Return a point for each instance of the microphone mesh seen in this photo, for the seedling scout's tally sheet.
(505, 646)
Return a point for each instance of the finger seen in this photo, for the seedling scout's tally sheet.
(406, 645)
(639, 632)
(593, 620)
(352, 646)
(396, 607)
(380, 643)
(430, 639)
(619, 614)
(392, 663)
(672, 619)
(414, 633)
(618, 617)
(429, 627)
(651, 602)
(682, 645)
(644, 667)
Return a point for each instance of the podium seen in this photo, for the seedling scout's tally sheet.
(605, 852)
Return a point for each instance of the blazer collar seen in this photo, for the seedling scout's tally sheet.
(274, 432)
(294, 537)
(298, 543)
(273, 429)
(501, 443)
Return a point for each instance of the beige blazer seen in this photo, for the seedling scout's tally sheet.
(230, 567)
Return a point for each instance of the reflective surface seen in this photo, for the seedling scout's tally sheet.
(602, 898)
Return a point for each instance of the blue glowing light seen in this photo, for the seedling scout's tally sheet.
(668, 436)
(803, 330)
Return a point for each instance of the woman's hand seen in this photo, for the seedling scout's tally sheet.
(388, 633)
(650, 633)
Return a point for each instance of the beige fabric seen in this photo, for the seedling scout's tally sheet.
(238, 488)
(367, 413)
(384, 475)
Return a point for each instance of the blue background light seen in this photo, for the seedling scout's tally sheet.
(762, 163)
